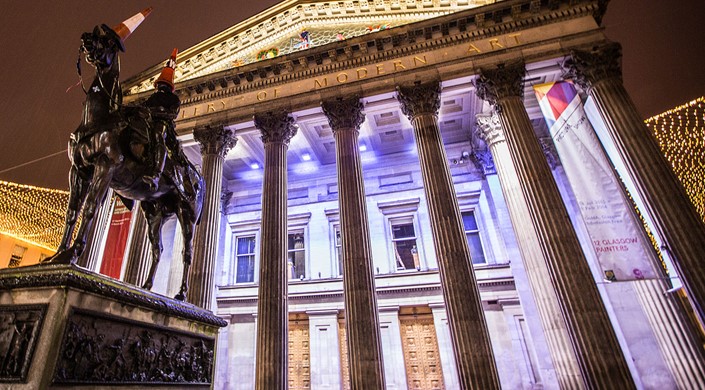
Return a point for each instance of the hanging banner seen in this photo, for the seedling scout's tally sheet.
(118, 231)
(617, 236)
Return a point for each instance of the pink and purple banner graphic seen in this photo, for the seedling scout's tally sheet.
(623, 253)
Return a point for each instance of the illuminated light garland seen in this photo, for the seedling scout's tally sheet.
(680, 133)
(33, 214)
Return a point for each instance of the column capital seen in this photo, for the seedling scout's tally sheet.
(504, 81)
(420, 99)
(344, 113)
(214, 139)
(587, 67)
(275, 126)
(489, 128)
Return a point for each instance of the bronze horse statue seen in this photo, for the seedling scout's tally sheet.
(111, 148)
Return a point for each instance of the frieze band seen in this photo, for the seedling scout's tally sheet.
(97, 348)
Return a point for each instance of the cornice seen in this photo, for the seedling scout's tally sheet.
(71, 276)
(454, 29)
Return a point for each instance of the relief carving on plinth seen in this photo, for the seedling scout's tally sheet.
(108, 350)
(20, 327)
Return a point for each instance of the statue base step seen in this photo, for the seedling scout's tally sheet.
(62, 326)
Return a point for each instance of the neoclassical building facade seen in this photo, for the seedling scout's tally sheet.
(388, 206)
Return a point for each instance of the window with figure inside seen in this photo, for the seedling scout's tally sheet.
(404, 242)
(338, 249)
(296, 256)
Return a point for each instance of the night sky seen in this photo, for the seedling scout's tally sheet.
(663, 47)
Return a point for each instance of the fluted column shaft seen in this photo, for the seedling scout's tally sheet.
(139, 256)
(361, 322)
(599, 354)
(272, 313)
(215, 142)
(468, 328)
(675, 218)
(557, 336)
(90, 257)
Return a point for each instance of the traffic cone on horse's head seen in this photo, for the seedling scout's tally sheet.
(167, 75)
(124, 29)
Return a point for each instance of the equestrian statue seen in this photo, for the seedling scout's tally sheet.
(132, 149)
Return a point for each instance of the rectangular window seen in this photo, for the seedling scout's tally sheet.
(472, 233)
(16, 257)
(296, 256)
(404, 241)
(245, 259)
(339, 249)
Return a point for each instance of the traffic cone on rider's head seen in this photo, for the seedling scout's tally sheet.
(124, 29)
(167, 75)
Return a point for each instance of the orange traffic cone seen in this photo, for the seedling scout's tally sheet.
(167, 75)
(124, 29)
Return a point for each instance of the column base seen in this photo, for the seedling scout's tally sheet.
(62, 326)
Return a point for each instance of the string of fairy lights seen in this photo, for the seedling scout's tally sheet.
(680, 133)
(32, 214)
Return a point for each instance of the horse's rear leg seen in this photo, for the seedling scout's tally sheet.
(188, 224)
(155, 221)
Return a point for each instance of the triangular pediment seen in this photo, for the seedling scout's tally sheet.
(294, 26)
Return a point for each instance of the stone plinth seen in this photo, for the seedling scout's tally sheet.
(63, 326)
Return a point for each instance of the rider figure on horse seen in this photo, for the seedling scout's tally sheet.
(164, 108)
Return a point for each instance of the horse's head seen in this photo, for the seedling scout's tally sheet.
(101, 46)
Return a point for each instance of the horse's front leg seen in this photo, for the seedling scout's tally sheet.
(155, 221)
(95, 195)
(188, 224)
(77, 192)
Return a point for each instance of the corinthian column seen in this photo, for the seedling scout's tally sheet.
(557, 336)
(675, 218)
(139, 256)
(95, 241)
(277, 128)
(215, 142)
(602, 363)
(468, 329)
(361, 322)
